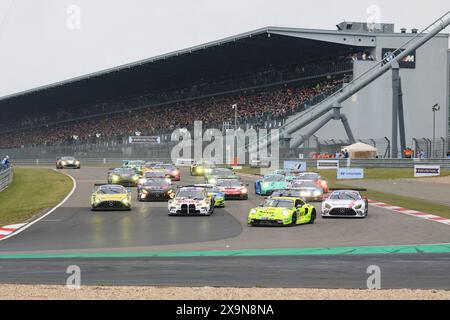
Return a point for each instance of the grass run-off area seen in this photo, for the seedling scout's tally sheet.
(383, 174)
(31, 192)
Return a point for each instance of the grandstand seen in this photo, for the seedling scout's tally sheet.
(271, 73)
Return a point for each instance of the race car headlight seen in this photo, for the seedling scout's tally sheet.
(213, 180)
(168, 180)
(327, 205)
(135, 178)
(358, 206)
(63, 163)
(97, 201)
(244, 190)
(286, 213)
(253, 211)
(115, 178)
(125, 201)
(317, 193)
(144, 191)
(265, 185)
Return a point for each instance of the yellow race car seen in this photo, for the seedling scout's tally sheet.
(68, 163)
(110, 197)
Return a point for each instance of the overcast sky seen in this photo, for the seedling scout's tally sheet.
(45, 41)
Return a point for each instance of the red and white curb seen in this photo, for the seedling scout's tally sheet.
(9, 230)
(412, 213)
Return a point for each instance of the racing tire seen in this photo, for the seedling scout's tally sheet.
(313, 217)
(294, 220)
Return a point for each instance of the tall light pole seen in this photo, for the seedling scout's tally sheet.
(235, 107)
(435, 109)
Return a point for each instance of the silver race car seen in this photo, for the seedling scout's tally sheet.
(345, 203)
(308, 190)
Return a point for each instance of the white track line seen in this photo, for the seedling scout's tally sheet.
(48, 213)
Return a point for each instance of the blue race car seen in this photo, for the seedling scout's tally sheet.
(269, 183)
(217, 197)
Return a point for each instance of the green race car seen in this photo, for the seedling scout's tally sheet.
(217, 197)
(282, 211)
(269, 183)
(217, 174)
(133, 164)
(290, 174)
(201, 168)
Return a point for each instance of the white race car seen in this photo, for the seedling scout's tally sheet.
(345, 203)
(190, 201)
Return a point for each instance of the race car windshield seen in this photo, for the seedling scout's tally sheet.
(303, 184)
(190, 194)
(68, 158)
(111, 190)
(229, 183)
(279, 203)
(156, 184)
(222, 172)
(274, 178)
(286, 193)
(124, 171)
(154, 175)
(345, 196)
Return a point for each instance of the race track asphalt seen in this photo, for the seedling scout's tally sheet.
(74, 228)
(413, 271)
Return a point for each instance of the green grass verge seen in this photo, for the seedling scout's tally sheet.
(32, 191)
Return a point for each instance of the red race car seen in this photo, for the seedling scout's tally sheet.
(170, 171)
(314, 176)
(233, 189)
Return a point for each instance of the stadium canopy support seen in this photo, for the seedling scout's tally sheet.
(398, 118)
(334, 115)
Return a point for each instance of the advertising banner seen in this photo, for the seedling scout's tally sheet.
(327, 164)
(427, 171)
(350, 173)
(144, 140)
(297, 165)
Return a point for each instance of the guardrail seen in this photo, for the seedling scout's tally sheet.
(6, 177)
(84, 161)
(379, 163)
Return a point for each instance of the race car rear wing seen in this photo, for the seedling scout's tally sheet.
(348, 189)
(97, 185)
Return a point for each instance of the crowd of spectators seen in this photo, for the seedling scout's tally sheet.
(252, 106)
(204, 87)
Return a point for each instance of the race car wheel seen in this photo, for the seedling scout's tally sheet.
(313, 216)
(294, 220)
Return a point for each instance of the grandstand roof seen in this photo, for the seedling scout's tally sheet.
(233, 55)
